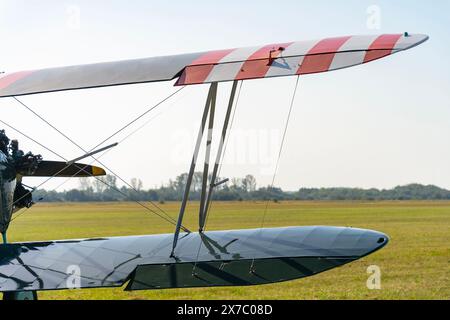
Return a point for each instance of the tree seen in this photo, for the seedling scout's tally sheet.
(85, 184)
(197, 180)
(111, 181)
(136, 184)
(99, 185)
(249, 183)
(236, 184)
(180, 182)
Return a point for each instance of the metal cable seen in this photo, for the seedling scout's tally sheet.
(137, 118)
(93, 161)
(85, 151)
(281, 147)
(278, 159)
(118, 131)
(30, 138)
(104, 153)
(169, 219)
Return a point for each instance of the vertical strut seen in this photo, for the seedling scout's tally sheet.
(212, 93)
(207, 153)
(204, 210)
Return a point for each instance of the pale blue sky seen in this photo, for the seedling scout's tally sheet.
(377, 125)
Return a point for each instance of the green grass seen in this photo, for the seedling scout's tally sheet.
(415, 264)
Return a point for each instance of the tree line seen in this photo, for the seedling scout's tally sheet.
(237, 189)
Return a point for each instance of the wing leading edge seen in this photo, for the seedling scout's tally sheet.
(225, 258)
(274, 60)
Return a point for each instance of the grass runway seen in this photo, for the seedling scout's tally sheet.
(414, 265)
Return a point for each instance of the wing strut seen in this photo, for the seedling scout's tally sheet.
(207, 156)
(210, 100)
(213, 183)
(207, 191)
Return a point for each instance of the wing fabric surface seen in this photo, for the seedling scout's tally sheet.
(224, 258)
(295, 58)
(274, 60)
(94, 75)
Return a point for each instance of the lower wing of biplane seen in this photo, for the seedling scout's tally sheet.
(216, 258)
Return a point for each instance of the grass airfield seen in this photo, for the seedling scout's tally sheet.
(414, 265)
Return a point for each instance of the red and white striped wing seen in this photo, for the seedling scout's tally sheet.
(275, 60)
(295, 58)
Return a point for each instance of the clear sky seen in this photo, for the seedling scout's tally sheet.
(378, 125)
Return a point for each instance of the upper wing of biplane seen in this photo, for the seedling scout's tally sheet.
(273, 60)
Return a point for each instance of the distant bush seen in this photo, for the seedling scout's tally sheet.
(238, 190)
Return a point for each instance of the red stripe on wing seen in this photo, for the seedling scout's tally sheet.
(211, 57)
(258, 64)
(320, 57)
(382, 47)
(198, 71)
(9, 79)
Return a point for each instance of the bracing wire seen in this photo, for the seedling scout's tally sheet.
(84, 150)
(100, 156)
(167, 218)
(286, 126)
(137, 118)
(31, 139)
(110, 186)
(104, 153)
